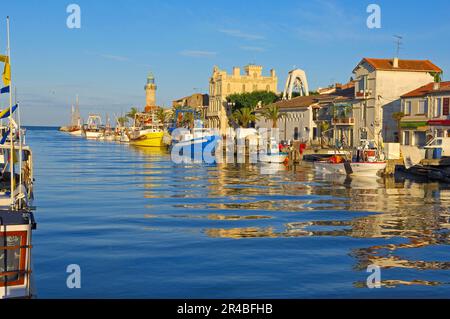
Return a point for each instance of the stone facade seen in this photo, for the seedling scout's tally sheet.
(303, 115)
(150, 92)
(197, 101)
(221, 85)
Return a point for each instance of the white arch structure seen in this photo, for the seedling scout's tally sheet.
(296, 79)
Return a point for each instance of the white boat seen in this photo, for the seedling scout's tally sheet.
(273, 154)
(75, 128)
(273, 158)
(357, 168)
(93, 130)
(75, 132)
(16, 196)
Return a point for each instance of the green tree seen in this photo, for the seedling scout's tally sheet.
(244, 116)
(437, 76)
(252, 99)
(273, 113)
(397, 116)
(161, 115)
(123, 120)
(132, 113)
(324, 127)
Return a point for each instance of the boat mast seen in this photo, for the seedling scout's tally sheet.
(11, 160)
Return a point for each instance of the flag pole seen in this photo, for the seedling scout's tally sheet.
(11, 132)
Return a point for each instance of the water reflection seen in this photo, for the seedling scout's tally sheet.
(245, 201)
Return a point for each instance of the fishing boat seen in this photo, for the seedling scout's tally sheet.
(147, 131)
(16, 195)
(272, 154)
(93, 130)
(196, 139)
(367, 162)
(75, 127)
(108, 133)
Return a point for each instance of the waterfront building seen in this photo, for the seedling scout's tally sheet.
(197, 101)
(380, 83)
(303, 115)
(222, 84)
(426, 114)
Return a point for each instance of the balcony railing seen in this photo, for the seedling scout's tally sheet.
(363, 94)
(343, 121)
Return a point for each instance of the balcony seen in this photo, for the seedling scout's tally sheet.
(363, 94)
(343, 121)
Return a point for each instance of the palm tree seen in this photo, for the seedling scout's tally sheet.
(273, 113)
(397, 116)
(324, 127)
(161, 115)
(437, 76)
(244, 116)
(122, 120)
(132, 113)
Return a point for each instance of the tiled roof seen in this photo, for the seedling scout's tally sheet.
(403, 65)
(306, 101)
(427, 89)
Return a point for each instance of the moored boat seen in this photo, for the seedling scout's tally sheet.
(75, 128)
(16, 196)
(357, 168)
(272, 154)
(367, 162)
(93, 129)
(147, 131)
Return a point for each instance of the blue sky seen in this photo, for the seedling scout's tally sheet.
(106, 61)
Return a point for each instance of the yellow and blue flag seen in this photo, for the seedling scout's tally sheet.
(6, 70)
(4, 90)
(5, 113)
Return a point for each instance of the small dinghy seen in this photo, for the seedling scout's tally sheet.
(272, 155)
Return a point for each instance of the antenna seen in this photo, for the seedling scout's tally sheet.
(398, 43)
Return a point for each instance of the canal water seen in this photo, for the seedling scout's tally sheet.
(140, 226)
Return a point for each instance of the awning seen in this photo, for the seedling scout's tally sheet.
(413, 124)
(439, 122)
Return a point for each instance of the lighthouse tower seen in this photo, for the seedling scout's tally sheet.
(150, 92)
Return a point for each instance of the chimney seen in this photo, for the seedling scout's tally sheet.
(436, 86)
(395, 63)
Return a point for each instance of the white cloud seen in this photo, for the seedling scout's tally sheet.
(240, 34)
(249, 48)
(198, 54)
(114, 57)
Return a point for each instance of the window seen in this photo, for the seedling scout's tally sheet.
(422, 107)
(420, 138)
(296, 135)
(243, 88)
(407, 108)
(255, 87)
(437, 107)
(362, 83)
(267, 88)
(406, 139)
(13, 256)
(228, 88)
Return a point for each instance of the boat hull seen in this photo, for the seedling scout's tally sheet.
(17, 227)
(359, 169)
(92, 135)
(274, 158)
(75, 133)
(151, 139)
